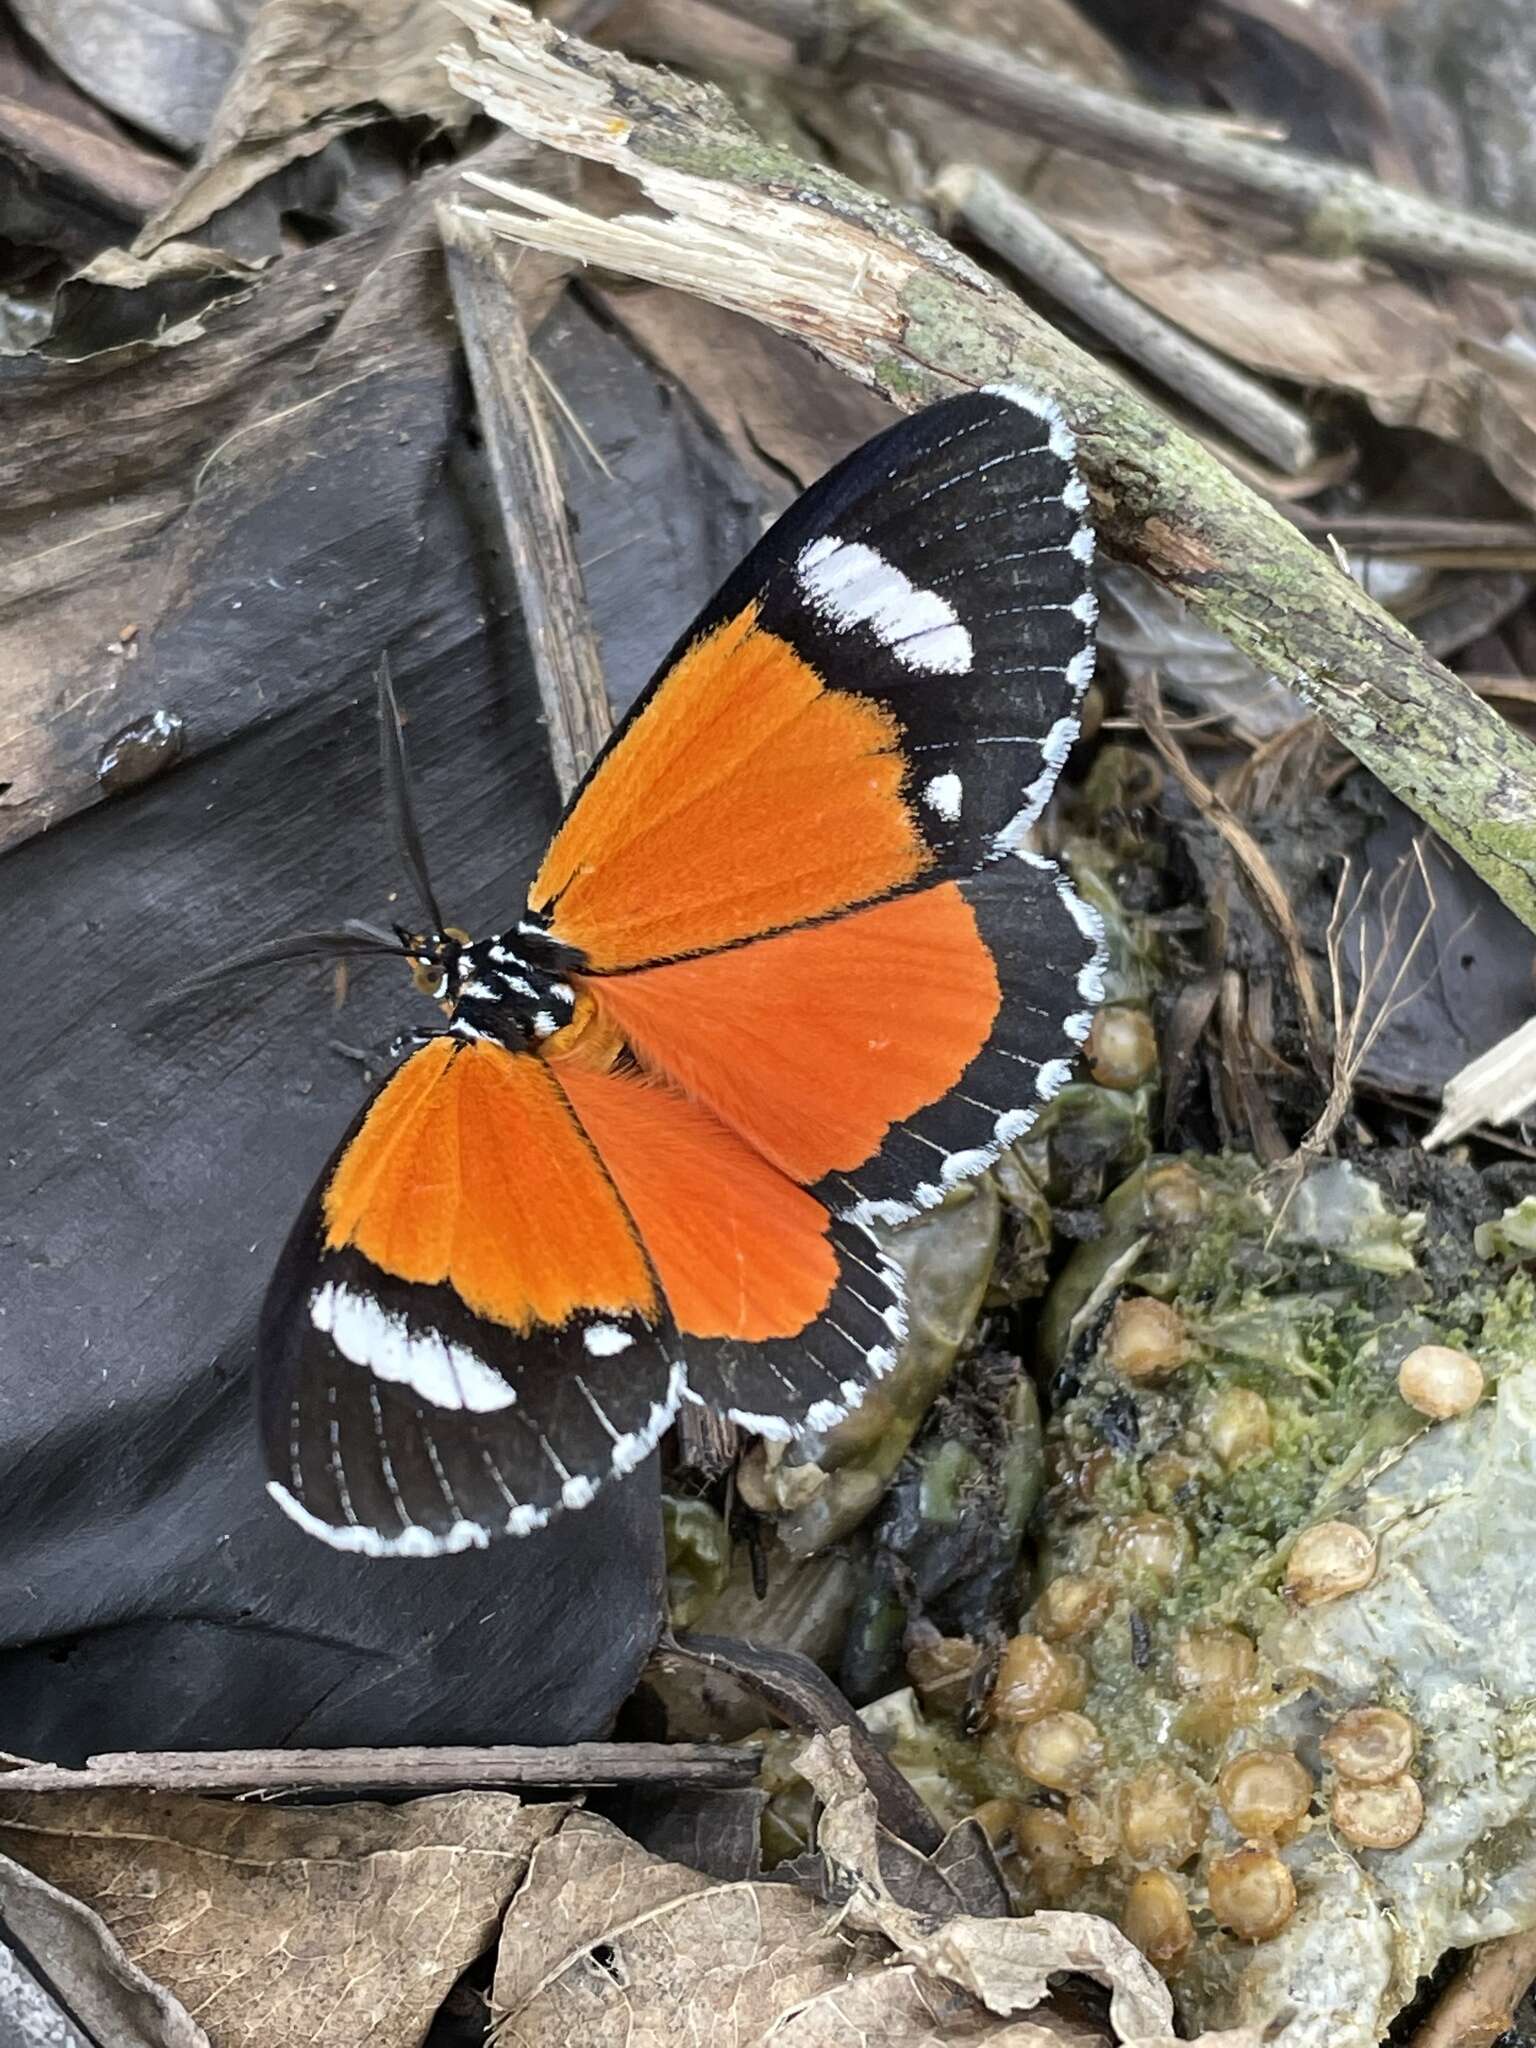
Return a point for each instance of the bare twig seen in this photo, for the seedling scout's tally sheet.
(882, 41)
(398, 1770)
(1479, 2003)
(1437, 543)
(1358, 1025)
(1012, 229)
(1255, 863)
(530, 496)
(754, 227)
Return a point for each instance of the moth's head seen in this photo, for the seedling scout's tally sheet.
(437, 961)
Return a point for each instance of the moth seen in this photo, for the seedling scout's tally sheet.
(789, 971)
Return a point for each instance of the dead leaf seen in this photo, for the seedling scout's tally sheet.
(605, 1941)
(785, 416)
(901, 2008)
(320, 399)
(306, 76)
(161, 64)
(278, 1926)
(89, 1977)
(1006, 1964)
(1342, 323)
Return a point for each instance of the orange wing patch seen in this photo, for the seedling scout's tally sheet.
(812, 1044)
(750, 797)
(739, 1250)
(469, 1169)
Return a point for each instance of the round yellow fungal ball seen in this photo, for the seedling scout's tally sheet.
(1162, 1816)
(1043, 1838)
(1072, 1604)
(1265, 1793)
(1154, 1544)
(1060, 1751)
(1216, 1664)
(1238, 1427)
(1440, 1382)
(1157, 1920)
(1174, 1196)
(1035, 1678)
(1121, 1047)
(1370, 1745)
(1146, 1338)
(1251, 1893)
(1327, 1561)
(1378, 1816)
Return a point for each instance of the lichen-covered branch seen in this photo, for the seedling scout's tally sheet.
(753, 227)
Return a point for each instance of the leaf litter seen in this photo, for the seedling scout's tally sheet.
(235, 238)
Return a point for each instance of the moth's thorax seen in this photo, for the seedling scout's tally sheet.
(511, 987)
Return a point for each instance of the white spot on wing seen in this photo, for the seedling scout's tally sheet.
(964, 1166)
(413, 1540)
(634, 1448)
(1052, 1078)
(851, 585)
(1080, 547)
(437, 1370)
(1063, 440)
(943, 794)
(1054, 749)
(774, 1427)
(578, 1491)
(605, 1340)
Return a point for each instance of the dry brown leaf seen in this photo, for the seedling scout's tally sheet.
(124, 476)
(116, 2004)
(784, 415)
(1343, 323)
(280, 1926)
(1007, 1964)
(902, 2008)
(606, 1941)
(306, 75)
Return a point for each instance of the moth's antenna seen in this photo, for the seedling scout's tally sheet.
(397, 797)
(347, 940)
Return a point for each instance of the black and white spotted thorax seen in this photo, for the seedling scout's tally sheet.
(513, 987)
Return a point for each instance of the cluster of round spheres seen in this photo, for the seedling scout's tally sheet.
(1170, 1839)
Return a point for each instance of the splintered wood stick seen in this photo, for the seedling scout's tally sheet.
(234, 1771)
(529, 495)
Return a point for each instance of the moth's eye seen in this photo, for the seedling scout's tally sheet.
(427, 975)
